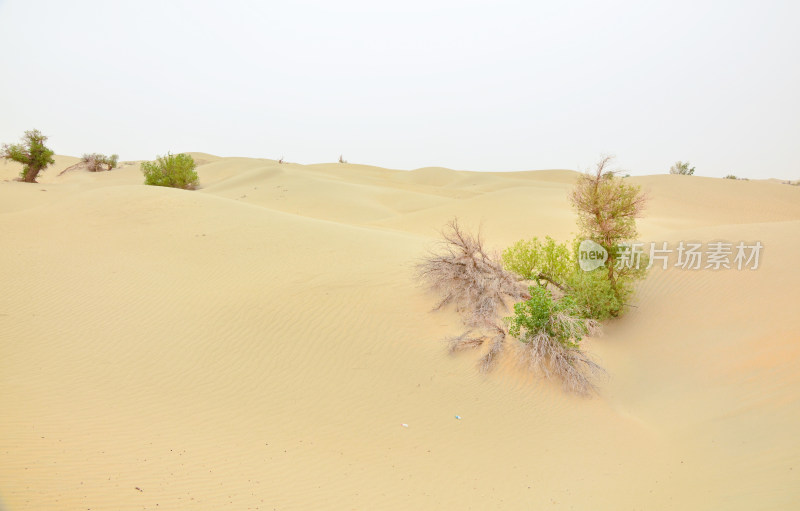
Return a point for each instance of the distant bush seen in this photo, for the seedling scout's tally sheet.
(681, 168)
(95, 162)
(174, 170)
(31, 153)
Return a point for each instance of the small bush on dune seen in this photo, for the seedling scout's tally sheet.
(552, 317)
(681, 168)
(546, 261)
(551, 331)
(607, 210)
(592, 291)
(173, 170)
(95, 162)
(556, 264)
(31, 153)
(463, 273)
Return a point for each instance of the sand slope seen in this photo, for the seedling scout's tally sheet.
(258, 343)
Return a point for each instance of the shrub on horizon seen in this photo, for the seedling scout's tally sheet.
(173, 170)
(681, 168)
(31, 153)
(94, 162)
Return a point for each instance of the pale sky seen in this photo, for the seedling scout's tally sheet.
(500, 85)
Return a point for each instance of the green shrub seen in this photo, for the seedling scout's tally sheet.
(174, 170)
(592, 292)
(540, 261)
(31, 153)
(556, 264)
(561, 320)
(681, 168)
(607, 210)
(550, 331)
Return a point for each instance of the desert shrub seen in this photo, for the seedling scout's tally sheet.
(463, 273)
(174, 170)
(607, 209)
(95, 162)
(592, 292)
(556, 264)
(560, 319)
(681, 168)
(31, 153)
(551, 331)
(546, 261)
(730, 176)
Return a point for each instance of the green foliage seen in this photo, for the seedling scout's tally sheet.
(536, 260)
(607, 207)
(681, 168)
(592, 292)
(31, 153)
(559, 320)
(557, 264)
(174, 170)
(607, 210)
(730, 176)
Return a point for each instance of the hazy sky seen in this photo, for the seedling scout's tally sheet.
(472, 85)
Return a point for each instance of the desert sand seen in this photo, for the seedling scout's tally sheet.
(259, 344)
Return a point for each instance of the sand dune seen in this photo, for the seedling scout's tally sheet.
(258, 344)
